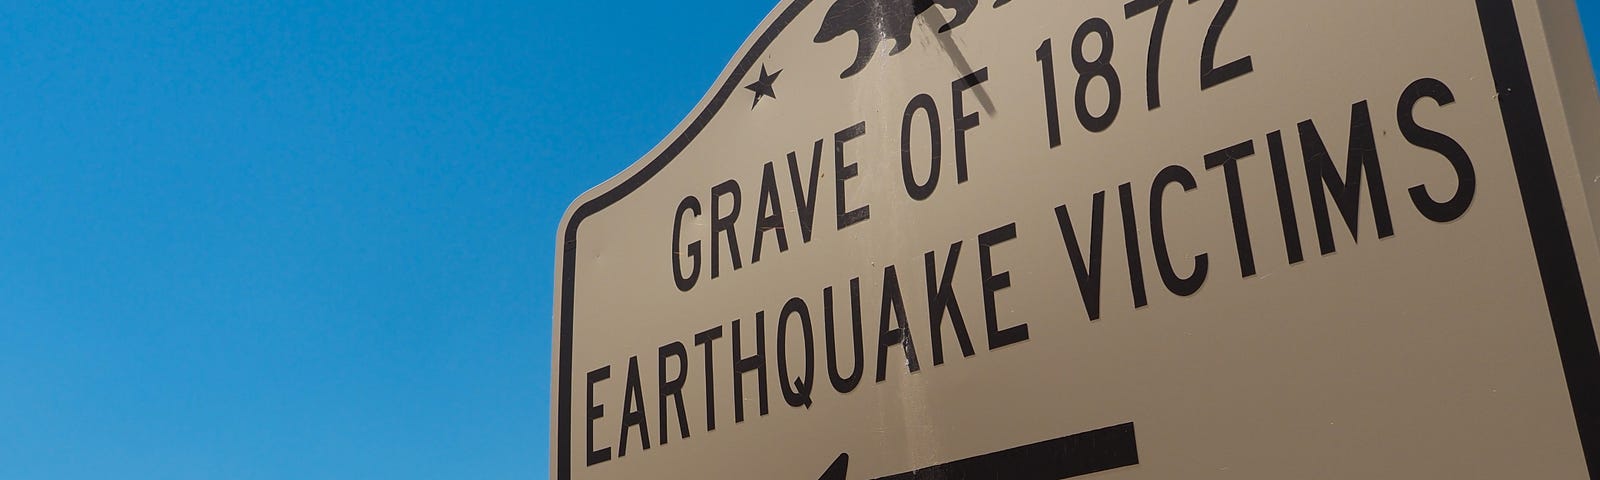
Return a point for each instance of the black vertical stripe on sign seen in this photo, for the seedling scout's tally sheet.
(1547, 220)
(1066, 457)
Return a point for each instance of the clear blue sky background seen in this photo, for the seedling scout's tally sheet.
(311, 239)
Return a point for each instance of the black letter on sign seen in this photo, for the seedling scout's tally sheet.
(1228, 159)
(942, 298)
(922, 191)
(742, 365)
(1418, 135)
(993, 282)
(843, 383)
(723, 225)
(1152, 73)
(1209, 75)
(769, 215)
(901, 334)
(805, 199)
(1100, 67)
(1052, 112)
(842, 172)
(633, 410)
(1280, 178)
(691, 205)
(1158, 235)
(799, 393)
(673, 388)
(1130, 232)
(1088, 274)
(595, 412)
(1347, 191)
(965, 121)
(706, 339)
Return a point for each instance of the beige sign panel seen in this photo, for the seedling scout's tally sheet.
(1154, 239)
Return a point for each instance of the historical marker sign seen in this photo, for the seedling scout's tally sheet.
(1151, 239)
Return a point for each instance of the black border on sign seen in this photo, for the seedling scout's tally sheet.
(1530, 152)
(1547, 220)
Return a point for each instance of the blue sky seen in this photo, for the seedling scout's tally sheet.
(311, 239)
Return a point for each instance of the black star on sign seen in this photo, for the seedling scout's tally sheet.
(763, 86)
